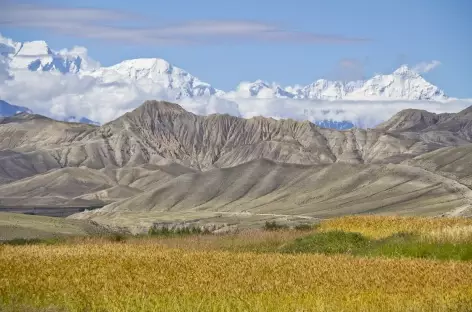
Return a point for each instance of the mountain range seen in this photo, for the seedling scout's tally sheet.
(403, 83)
(161, 163)
(155, 78)
(37, 56)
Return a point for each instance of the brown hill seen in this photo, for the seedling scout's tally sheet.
(160, 161)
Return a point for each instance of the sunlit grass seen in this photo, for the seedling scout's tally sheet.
(346, 264)
(149, 277)
(458, 229)
(454, 233)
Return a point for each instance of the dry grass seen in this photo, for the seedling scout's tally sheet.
(204, 273)
(247, 240)
(455, 233)
(384, 226)
(150, 277)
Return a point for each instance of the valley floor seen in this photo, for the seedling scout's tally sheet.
(24, 226)
(367, 263)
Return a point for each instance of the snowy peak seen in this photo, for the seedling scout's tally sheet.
(38, 56)
(152, 73)
(406, 72)
(257, 88)
(157, 78)
(34, 49)
(260, 89)
(144, 68)
(323, 89)
(402, 84)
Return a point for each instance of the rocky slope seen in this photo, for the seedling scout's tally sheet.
(265, 189)
(452, 162)
(162, 131)
(29, 132)
(161, 159)
(86, 187)
(447, 129)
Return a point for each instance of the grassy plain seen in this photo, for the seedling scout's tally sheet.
(374, 226)
(342, 265)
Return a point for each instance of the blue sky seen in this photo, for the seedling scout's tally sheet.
(308, 39)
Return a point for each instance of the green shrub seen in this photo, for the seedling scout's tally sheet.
(411, 246)
(304, 227)
(33, 241)
(22, 241)
(117, 237)
(405, 245)
(274, 226)
(327, 243)
(165, 231)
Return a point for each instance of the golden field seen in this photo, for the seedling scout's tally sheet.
(457, 229)
(195, 273)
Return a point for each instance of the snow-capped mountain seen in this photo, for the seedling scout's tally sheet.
(79, 86)
(7, 109)
(402, 84)
(259, 89)
(149, 72)
(322, 89)
(37, 56)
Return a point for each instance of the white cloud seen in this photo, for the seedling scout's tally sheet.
(101, 24)
(361, 113)
(61, 96)
(4, 73)
(83, 53)
(425, 67)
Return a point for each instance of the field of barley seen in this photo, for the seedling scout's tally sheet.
(346, 264)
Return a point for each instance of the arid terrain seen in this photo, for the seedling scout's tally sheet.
(235, 156)
(160, 164)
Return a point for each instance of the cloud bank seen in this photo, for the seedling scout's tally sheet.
(61, 96)
(4, 73)
(124, 27)
(425, 67)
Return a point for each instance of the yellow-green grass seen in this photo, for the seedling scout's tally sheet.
(126, 276)
(248, 271)
(439, 229)
(255, 240)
